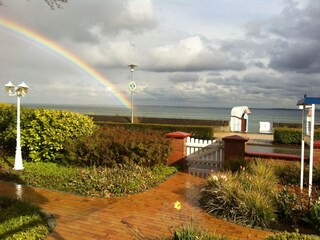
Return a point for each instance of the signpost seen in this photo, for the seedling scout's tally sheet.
(132, 88)
(307, 134)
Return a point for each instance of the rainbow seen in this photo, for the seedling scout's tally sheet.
(47, 44)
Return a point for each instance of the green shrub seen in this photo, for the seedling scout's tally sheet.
(291, 236)
(45, 135)
(112, 146)
(316, 173)
(8, 127)
(21, 220)
(200, 132)
(286, 201)
(247, 197)
(234, 164)
(191, 233)
(4, 105)
(118, 181)
(285, 135)
(43, 131)
(287, 173)
(313, 215)
(91, 182)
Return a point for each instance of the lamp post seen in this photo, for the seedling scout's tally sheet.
(132, 87)
(20, 90)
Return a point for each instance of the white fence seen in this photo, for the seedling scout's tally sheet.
(203, 156)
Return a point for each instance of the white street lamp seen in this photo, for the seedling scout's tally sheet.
(19, 91)
(132, 87)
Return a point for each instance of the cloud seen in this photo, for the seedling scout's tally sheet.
(77, 18)
(191, 54)
(298, 57)
(183, 77)
(298, 26)
(268, 55)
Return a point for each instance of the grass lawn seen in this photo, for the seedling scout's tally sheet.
(21, 220)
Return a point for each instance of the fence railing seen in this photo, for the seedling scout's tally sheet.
(203, 156)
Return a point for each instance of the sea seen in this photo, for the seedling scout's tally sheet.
(272, 115)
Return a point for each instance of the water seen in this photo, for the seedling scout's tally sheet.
(205, 113)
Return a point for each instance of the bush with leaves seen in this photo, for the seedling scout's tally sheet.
(313, 215)
(234, 164)
(8, 127)
(289, 173)
(86, 181)
(112, 146)
(286, 202)
(286, 135)
(292, 236)
(43, 131)
(246, 197)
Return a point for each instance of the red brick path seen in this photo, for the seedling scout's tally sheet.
(121, 218)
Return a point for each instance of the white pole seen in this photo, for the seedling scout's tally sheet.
(247, 127)
(131, 107)
(311, 150)
(302, 164)
(18, 158)
(302, 148)
(131, 97)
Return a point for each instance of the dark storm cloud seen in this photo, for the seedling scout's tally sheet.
(251, 83)
(183, 77)
(227, 81)
(298, 22)
(298, 26)
(303, 57)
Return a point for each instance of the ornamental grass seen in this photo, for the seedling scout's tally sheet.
(246, 197)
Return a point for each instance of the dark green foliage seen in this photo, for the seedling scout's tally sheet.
(313, 215)
(188, 233)
(289, 173)
(112, 146)
(118, 181)
(21, 220)
(291, 236)
(43, 131)
(286, 201)
(8, 131)
(234, 164)
(316, 173)
(200, 132)
(92, 182)
(285, 135)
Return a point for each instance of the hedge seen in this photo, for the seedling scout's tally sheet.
(109, 147)
(43, 131)
(285, 135)
(200, 132)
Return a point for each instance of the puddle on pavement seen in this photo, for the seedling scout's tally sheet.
(276, 149)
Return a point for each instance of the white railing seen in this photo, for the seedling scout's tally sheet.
(203, 156)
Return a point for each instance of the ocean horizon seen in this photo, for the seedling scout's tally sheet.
(272, 115)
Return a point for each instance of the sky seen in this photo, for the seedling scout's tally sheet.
(209, 53)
